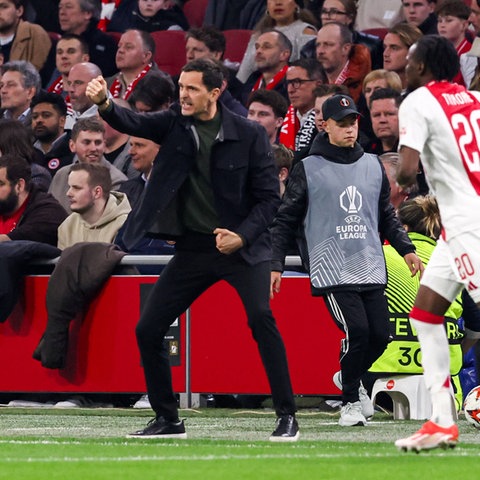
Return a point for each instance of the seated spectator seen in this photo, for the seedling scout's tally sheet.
(134, 60)
(268, 108)
(283, 157)
(88, 257)
(97, 212)
(15, 140)
(69, 50)
(390, 161)
(153, 92)
(81, 18)
(79, 76)
(234, 14)
(452, 23)
(384, 104)
(117, 146)
(395, 48)
(344, 62)
(421, 14)
(287, 17)
(345, 12)
(26, 213)
(298, 129)
(22, 40)
(49, 113)
(272, 54)
(148, 16)
(19, 83)
(88, 144)
(474, 18)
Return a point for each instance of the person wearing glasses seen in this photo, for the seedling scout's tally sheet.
(288, 17)
(345, 12)
(298, 129)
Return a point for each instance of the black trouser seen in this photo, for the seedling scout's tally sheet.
(364, 318)
(187, 275)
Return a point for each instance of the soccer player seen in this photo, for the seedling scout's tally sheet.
(439, 124)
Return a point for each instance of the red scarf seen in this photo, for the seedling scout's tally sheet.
(273, 82)
(56, 86)
(116, 87)
(289, 129)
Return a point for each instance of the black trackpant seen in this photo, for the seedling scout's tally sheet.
(187, 275)
(364, 318)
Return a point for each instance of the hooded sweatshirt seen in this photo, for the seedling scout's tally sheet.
(74, 229)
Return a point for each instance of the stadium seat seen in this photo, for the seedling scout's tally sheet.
(169, 50)
(409, 395)
(54, 37)
(378, 32)
(237, 41)
(194, 10)
(115, 35)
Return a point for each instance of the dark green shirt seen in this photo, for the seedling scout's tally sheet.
(199, 212)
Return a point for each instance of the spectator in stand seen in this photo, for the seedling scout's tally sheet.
(22, 40)
(134, 60)
(298, 129)
(452, 23)
(345, 12)
(49, 113)
(117, 146)
(398, 195)
(81, 17)
(380, 78)
(384, 104)
(26, 213)
(396, 44)
(287, 17)
(268, 108)
(283, 157)
(272, 53)
(421, 14)
(148, 16)
(474, 18)
(322, 93)
(78, 78)
(70, 50)
(344, 62)
(234, 14)
(88, 145)
(16, 140)
(19, 83)
(152, 93)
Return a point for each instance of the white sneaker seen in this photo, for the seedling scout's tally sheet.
(367, 405)
(142, 402)
(351, 415)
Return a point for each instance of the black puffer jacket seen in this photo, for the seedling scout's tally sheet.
(292, 211)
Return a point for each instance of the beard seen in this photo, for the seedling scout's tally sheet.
(9, 204)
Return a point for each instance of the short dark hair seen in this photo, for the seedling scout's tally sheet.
(155, 90)
(438, 56)
(282, 156)
(54, 99)
(271, 98)
(87, 124)
(73, 36)
(313, 68)
(16, 140)
(382, 93)
(453, 8)
(16, 168)
(213, 38)
(212, 72)
(98, 175)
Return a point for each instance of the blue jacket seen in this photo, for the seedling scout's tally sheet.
(243, 177)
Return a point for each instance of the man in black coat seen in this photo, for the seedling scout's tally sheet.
(213, 189)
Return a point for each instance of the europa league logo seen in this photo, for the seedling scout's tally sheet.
(351, 200)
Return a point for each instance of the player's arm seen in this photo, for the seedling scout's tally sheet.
(408, 167)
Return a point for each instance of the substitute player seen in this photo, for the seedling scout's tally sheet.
(439, 124)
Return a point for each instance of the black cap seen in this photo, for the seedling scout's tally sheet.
(339, 106)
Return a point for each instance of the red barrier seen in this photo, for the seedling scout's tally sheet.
(103, 355)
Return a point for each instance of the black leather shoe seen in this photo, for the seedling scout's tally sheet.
(161, 428)
(286, 430)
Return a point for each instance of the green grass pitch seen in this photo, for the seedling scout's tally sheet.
(222, 445)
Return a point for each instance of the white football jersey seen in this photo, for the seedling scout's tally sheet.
(442, 122)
